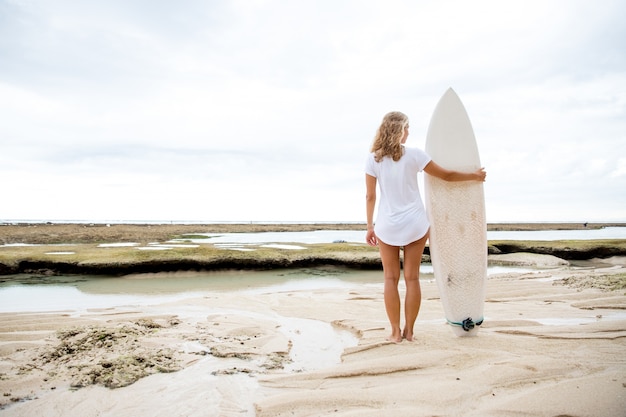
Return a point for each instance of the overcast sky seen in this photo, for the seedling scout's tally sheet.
(264, 110)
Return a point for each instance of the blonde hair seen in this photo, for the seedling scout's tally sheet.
(388, 139)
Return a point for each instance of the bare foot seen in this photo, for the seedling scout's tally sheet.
(408, 335)
(396, 336)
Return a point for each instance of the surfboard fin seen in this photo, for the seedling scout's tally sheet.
(467, 324)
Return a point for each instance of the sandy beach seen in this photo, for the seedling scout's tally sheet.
(552, 344)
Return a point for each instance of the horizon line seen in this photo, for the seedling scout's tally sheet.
(145, 221)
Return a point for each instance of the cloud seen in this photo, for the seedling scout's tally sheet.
(265, 109)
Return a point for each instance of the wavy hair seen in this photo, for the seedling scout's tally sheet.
(388, 139)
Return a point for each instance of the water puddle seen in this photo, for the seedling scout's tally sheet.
(315, 344)
(576, 321)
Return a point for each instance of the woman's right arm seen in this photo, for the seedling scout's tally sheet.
(438, 171)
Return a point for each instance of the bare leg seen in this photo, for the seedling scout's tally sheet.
(413, 299)
(390, 256)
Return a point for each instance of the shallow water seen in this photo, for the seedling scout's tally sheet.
(24, 293)
(358, 236)
(547, 235)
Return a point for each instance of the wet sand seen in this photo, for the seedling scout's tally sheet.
(552, 344)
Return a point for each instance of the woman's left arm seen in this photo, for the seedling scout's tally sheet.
(450, 175)
(370, 203)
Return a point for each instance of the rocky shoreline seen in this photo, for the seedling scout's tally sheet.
(76, 248)
(567, 250)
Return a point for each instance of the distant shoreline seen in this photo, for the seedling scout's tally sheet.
(59, 233)
(501, 225)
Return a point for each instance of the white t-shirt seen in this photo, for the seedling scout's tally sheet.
(401, 217)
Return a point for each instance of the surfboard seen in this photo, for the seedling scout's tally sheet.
(456, 211)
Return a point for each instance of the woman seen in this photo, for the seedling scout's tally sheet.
(401, 220)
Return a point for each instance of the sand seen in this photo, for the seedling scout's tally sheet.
(553, 344)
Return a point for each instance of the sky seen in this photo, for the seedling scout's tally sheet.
(265, 110)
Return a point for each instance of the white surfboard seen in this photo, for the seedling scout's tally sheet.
(456, 210)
